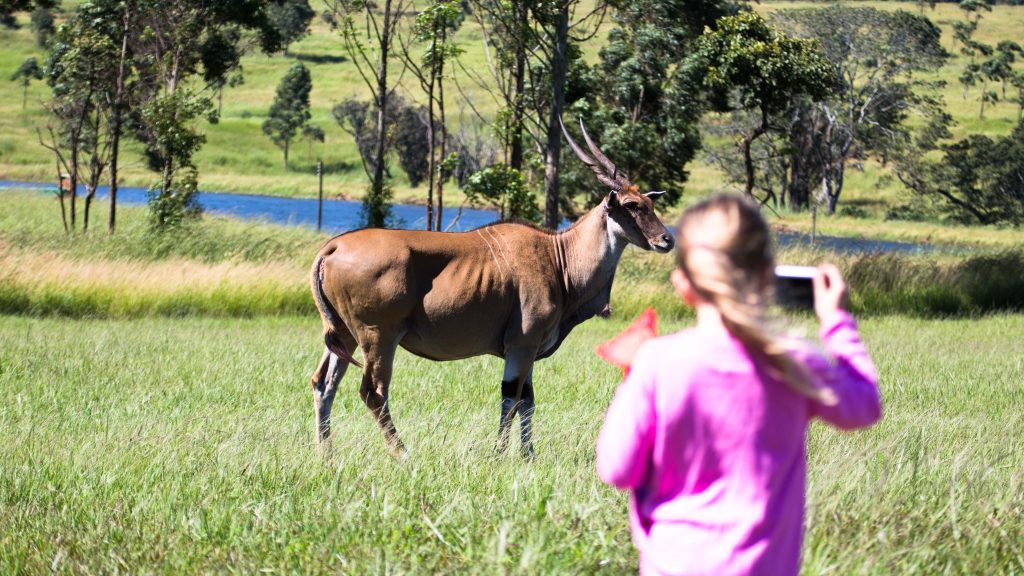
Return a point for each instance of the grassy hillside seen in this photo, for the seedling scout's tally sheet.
(238, 157)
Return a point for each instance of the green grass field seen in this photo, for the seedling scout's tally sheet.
(185, 446)
(155, 418)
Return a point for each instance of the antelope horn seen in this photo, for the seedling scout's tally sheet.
(605, 179)
(609, 167)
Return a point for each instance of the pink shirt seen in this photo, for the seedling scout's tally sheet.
(713, 449)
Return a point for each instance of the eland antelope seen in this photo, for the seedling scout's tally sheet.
(506, 289)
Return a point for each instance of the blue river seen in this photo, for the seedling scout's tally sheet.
(343, 215)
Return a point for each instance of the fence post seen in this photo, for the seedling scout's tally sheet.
(814, 222)
(320, 195)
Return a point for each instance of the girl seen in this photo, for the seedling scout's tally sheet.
(708, 429)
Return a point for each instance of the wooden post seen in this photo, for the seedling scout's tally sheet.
(814, 222)
(320, 196)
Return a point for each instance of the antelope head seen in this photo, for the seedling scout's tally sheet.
(630, 212)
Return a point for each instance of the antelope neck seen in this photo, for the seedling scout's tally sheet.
(586, 254)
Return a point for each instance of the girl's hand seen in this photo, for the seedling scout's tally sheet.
(830, 296)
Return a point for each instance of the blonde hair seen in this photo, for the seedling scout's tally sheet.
(725, 251)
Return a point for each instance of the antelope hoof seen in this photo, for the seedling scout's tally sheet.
(527, 452)
(399, 452)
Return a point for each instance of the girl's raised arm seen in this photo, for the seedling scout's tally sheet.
(853, 378)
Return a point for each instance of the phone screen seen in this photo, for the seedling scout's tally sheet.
(794, 286)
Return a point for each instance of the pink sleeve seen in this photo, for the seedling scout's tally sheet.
(852, 377)
(626, 440)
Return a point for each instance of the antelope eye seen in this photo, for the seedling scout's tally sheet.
(631, 206)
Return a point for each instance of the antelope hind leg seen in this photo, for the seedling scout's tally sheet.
(380, 358)
(325, 381)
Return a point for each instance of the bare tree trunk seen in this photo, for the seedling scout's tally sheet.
(89, 195)
(748, 160)
(431, 152)
(444, 138)
(516, 154)
(559, 66)
(115, 120)
(60, 195)
(382, 102)
(285, 155)
(73, 183)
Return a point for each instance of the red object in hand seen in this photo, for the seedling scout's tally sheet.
(621, 349)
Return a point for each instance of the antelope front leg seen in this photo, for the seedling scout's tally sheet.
(517, 396)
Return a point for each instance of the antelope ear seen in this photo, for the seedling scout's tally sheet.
(654, 194)
(613, 198)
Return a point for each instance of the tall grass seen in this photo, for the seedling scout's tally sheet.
(922, 285)
(227, 267)
(185, 446)
(48, 284)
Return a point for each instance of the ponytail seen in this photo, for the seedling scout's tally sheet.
(727, 266)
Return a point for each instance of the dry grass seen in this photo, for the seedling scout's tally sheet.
(49, 283)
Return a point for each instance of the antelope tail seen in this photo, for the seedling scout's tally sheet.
(332, 320)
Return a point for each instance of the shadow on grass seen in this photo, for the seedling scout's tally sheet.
(318, 58)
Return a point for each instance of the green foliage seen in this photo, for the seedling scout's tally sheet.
(406, 135)
(376, 209)
(28, 71)
(43, 25)
(979, 179)
(878, 56)
(639, 102)
(172, 141)
(289, 113)
(765, 67)
(410, 140)
(504, 187)
(171, 207)
(9, 7)
(290, 18)
(434, 25)
(749, 65)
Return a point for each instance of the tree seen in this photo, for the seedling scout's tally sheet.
(640, 103)
(747, 64)
(963, 32)
(876, 55)
(1017, 81)
(434, 26)
(27, 72)
(505, 187)
(978, 179)
(997, 68)
(9, 7)
(80, 71)
(42, 24)
(291, 19)
(181, 50)
(312, 133)
(412, 142)
(289, 113)
(368, 33)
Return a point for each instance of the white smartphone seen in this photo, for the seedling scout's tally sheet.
(794, 286)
